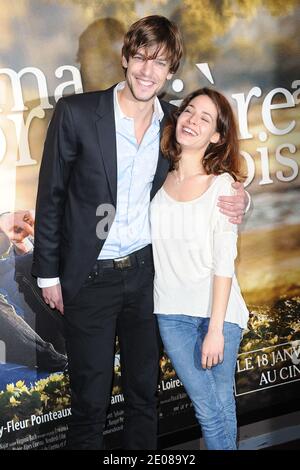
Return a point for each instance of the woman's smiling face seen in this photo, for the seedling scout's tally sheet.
(196, 125)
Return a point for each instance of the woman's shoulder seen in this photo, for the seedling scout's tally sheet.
(226, 177)
(224, 182)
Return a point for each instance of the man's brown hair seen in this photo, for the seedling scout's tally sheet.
(157, 31)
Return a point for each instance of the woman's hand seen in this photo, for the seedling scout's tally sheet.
(212, 349)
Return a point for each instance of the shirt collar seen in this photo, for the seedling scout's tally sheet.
(158, 113)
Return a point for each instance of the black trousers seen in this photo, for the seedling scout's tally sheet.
(114, 301)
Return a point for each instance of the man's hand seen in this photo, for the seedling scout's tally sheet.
(53, 297)
(234, 206)
(17, 226)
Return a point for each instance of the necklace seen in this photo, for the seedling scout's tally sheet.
(180, 180)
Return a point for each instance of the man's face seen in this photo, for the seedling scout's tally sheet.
(145, 77)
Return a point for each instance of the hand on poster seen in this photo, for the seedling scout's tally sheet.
(18, 226)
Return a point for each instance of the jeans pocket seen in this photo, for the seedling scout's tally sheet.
(147, 266)
(94, 276)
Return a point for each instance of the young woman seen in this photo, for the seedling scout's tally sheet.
(198, 303)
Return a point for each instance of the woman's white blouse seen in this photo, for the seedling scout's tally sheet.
(192, 241)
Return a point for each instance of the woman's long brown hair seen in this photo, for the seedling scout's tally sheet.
(220, 157)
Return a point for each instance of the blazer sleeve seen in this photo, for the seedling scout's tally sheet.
(59, 155)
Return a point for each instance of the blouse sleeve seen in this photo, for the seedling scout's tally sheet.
(224, 235)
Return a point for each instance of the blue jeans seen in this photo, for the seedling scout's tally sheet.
(210, 390)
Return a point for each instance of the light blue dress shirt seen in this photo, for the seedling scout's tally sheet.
(136, 166)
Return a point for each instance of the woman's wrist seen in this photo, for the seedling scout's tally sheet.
(215, 327)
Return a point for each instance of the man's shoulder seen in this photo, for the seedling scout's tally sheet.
(87, 99)
(87, 102)
(167, 107)
(82, 97)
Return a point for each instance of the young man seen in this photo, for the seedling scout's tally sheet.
(102, 154)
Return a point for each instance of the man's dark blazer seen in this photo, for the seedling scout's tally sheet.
(78, 173)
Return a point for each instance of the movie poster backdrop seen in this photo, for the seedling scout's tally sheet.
(249, 50)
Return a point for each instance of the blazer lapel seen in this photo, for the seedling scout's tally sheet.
(106, 130)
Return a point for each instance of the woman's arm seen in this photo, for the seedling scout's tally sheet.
(224, 252)
(213, 344)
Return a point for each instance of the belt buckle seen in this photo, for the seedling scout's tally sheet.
(122, 263)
